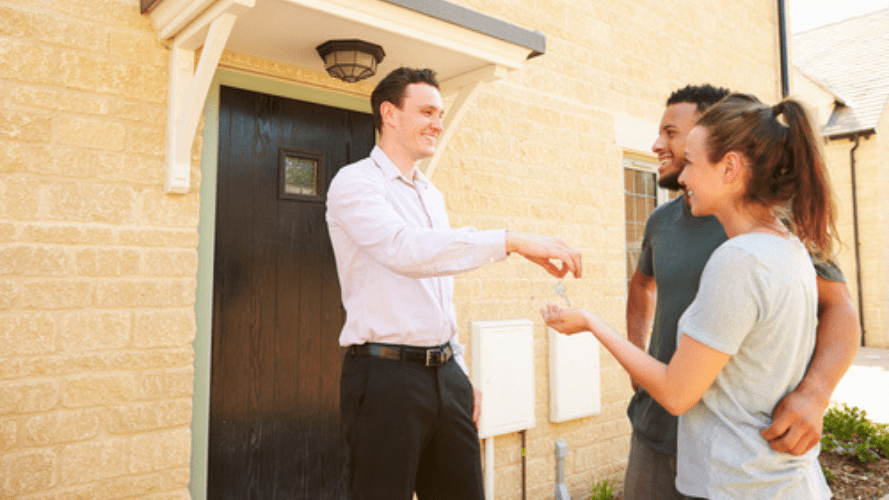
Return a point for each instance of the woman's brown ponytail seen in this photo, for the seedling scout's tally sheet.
(787, 168)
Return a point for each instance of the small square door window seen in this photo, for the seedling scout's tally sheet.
(301, 175)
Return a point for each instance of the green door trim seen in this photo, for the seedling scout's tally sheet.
(206, 238)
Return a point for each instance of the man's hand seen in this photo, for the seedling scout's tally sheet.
(796, 424)
(542, 250)
(476, 406)
(798, 417)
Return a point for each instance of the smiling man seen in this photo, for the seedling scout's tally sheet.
(409, 411)
(675, 248)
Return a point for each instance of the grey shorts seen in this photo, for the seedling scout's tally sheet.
(651, 475)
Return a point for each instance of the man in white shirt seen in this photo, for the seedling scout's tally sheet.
(409, 411)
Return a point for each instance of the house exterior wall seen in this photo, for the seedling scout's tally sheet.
(873, 209)
(879, 335)
(872, 219)
(871, 229)
(97, 263)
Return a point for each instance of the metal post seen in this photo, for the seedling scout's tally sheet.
(561, 488)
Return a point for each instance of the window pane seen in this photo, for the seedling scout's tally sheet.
(640, 199)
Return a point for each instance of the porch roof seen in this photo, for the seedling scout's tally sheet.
(449, 38)
(465, 47)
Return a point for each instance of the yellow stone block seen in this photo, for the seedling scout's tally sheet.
(55, 294)
(106, 262)
(164, 328)
(169, 262)
(90, 133)
(161, 450)
(25, 126)
(61, 427)
(98, 390)
(27, 472)
(13, 157)
(23, 61)
(142, 417)
(94, 460)
(167, 292)
(89, 330)
(90, 202)
(33, 260)
(167, 384)
(27, 397)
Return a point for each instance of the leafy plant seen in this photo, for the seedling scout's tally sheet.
(828, 475)
(847, 431)
(603, 490)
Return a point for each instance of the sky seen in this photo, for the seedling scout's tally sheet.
(807, 14)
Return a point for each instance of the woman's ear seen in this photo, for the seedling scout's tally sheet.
(732, 164)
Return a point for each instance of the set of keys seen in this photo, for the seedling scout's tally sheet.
(559, 288)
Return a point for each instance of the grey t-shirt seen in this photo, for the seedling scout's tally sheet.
(675, 249)
(758, 301)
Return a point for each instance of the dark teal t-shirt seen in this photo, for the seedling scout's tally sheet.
(675, 248)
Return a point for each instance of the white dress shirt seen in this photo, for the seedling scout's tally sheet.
(396, 254)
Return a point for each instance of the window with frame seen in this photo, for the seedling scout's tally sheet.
(641, 196)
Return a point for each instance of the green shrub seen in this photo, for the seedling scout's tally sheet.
(828, 476)
(847, 431)
(603, 490)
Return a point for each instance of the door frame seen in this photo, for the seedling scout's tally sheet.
(206, 241)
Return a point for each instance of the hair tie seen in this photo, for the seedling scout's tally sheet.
(777, 109)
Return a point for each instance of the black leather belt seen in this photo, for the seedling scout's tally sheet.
(426, 356)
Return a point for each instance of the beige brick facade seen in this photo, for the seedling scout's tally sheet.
(869, 267)
(98, 264)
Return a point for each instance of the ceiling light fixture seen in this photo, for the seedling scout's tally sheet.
(350, 60)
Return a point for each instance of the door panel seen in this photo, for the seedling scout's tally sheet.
(274, 389)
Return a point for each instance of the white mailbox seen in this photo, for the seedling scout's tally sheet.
(575, 387)
(503, 368)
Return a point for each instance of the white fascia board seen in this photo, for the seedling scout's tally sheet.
(416, 25)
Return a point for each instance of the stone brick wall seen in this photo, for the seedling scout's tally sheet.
(871, 229)
(872, 207)
(97, 264)
(880, 335)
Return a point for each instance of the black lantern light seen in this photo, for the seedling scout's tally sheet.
(350, 60)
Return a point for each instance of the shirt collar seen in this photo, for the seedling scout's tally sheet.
(391, 171)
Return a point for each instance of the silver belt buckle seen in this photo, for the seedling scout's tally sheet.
(429, 353)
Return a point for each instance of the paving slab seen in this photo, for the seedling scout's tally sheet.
(866, 384)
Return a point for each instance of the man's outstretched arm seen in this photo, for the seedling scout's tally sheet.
(542, 250)
(798, 418)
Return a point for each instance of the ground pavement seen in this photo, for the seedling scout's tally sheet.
(866, 384)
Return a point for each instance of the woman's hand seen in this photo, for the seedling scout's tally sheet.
(567, 321)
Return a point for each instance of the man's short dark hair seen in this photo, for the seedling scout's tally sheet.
(391, 89)
(702, 96)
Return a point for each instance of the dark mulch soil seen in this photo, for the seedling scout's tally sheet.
(853, 480)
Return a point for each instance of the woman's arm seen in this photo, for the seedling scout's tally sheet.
(677, 386)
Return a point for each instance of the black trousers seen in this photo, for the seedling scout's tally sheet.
(409, 428)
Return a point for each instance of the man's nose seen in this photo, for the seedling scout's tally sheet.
(658, 145)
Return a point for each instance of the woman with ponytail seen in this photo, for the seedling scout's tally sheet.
(747, 338)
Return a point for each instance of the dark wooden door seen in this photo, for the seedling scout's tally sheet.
(274, 390)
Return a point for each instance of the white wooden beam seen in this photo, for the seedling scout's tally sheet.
(188, 88)
(466, 86)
